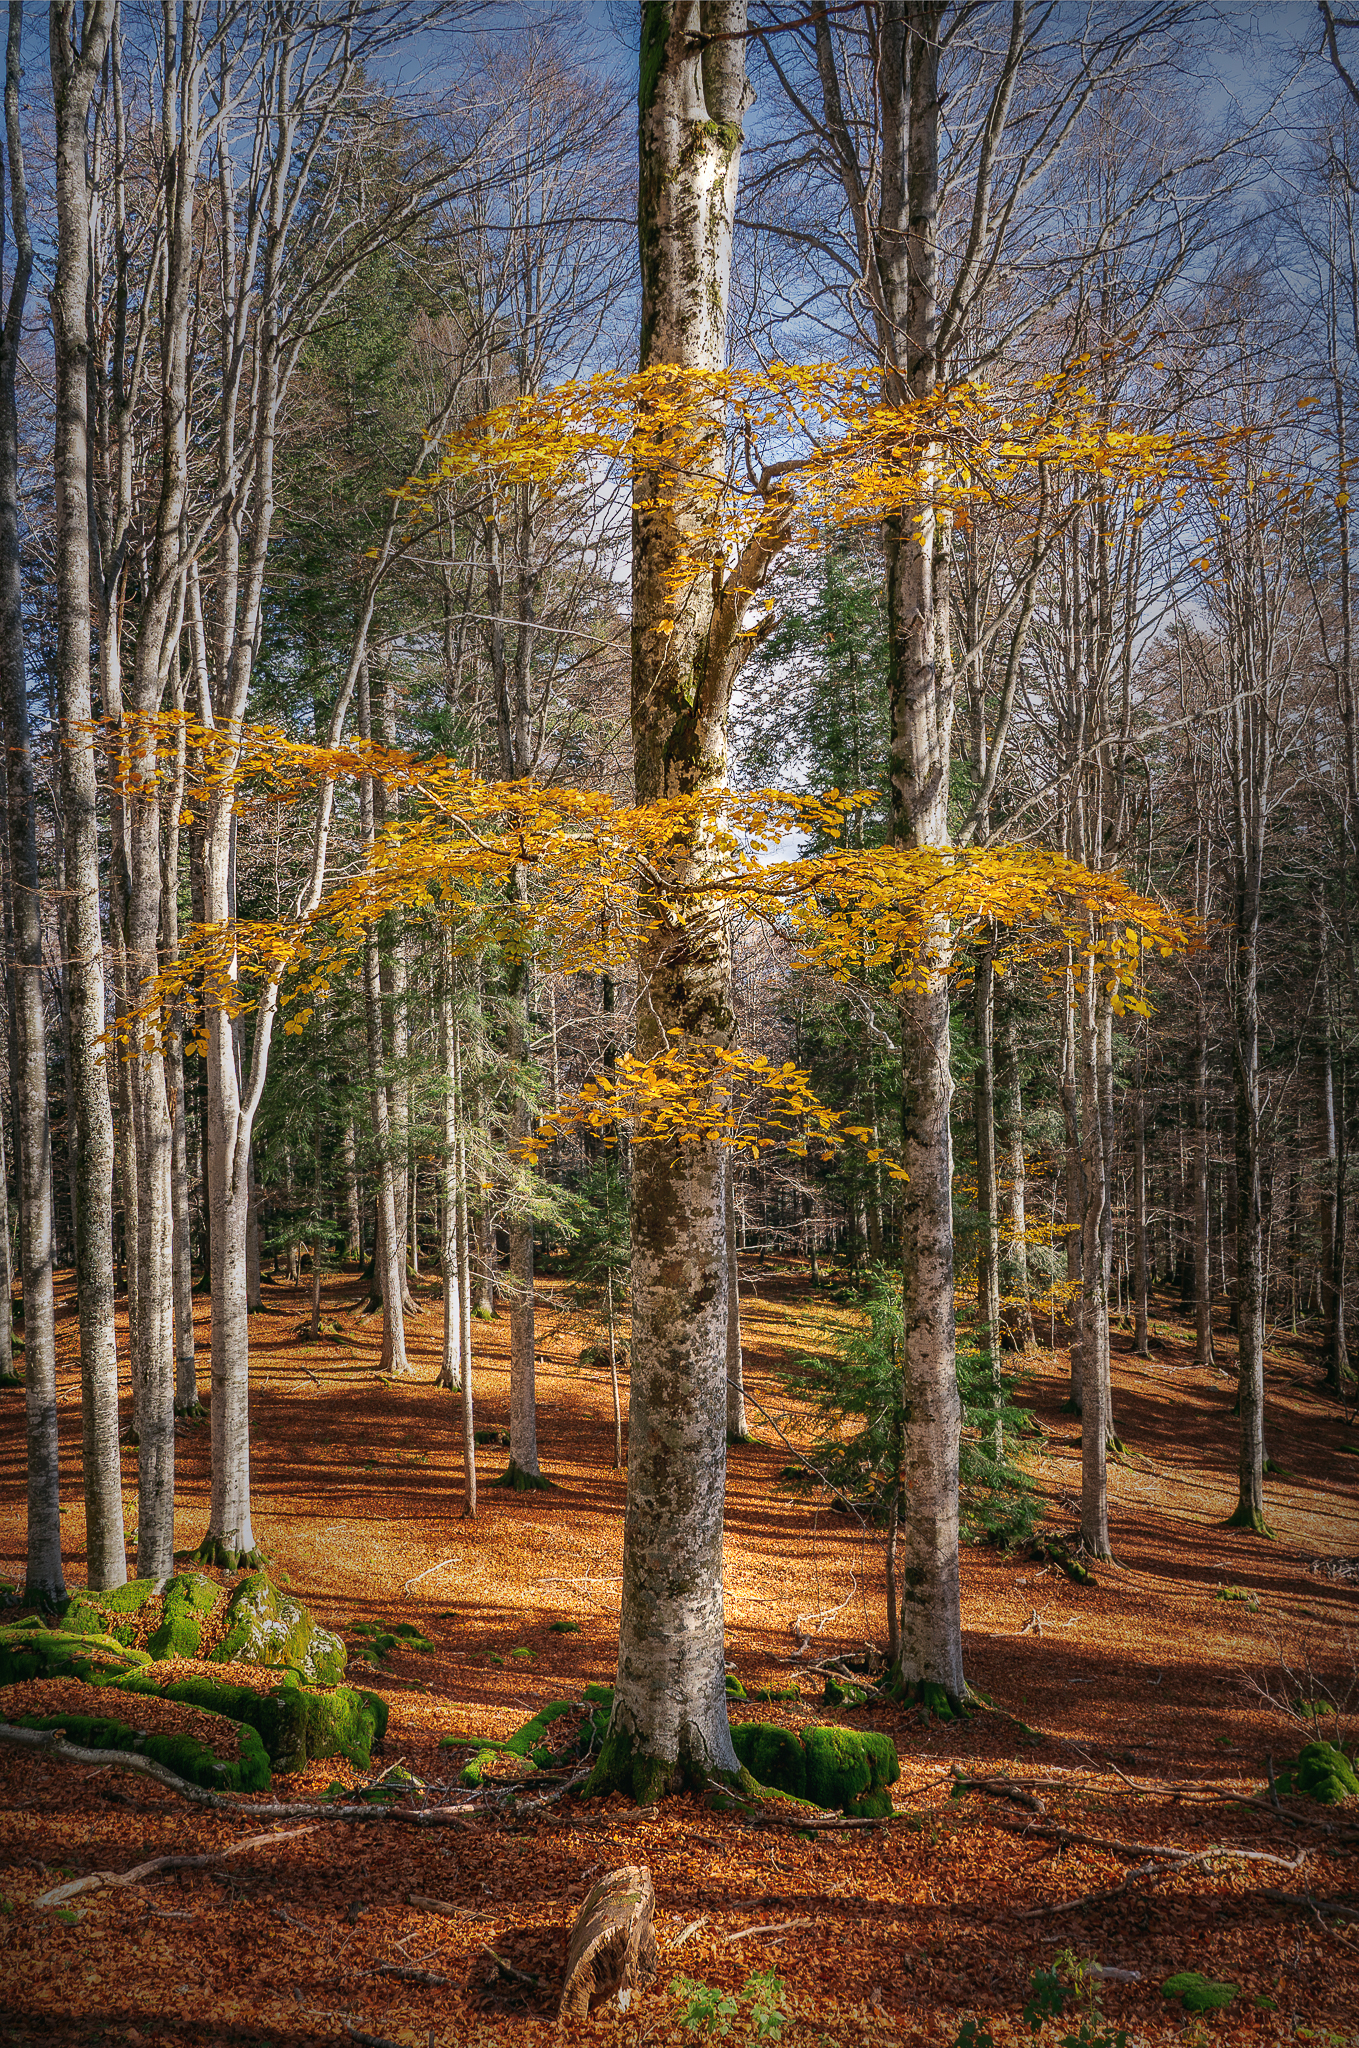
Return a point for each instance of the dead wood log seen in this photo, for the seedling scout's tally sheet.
(613, 1945)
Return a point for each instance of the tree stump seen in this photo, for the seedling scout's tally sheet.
(612, 1947)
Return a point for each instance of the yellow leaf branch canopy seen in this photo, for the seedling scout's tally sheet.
(602, 875)
(729, 455)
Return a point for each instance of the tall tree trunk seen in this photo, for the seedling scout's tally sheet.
(1203, 1265)
(450, 1368)
(669, 1720)
(1017, 1315)
(1095, 1419)
(920, 683)
(523, 1469)
(988, 1193)
(1141, 1254)
(43, 1579)
(738, 1429)
(75, 71)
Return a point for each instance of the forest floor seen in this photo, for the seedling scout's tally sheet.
(1128, 1717)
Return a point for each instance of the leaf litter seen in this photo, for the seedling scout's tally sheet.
(1113, 1806)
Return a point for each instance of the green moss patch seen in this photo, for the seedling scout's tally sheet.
(182, 1754)
(849, 1768)
(773, 1756)
(186, 1604)
(1197, 1993)
(566, 1628)
(264, 1626)
(1322, 1772)
(296, 1724)
(27, 1651)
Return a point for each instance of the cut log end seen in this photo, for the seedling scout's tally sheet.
(612, 1950)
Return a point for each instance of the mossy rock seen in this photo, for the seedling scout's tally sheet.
(186, 1603)
(847, 1768)
(182, 1754)
(473, 1773)
(735, 1689)
(844, 1764)
(772, 1693)
(1322, 1772)
(1197, 1993)
(773, 1756)
(27, 1651)
(110, 1610)
(264, 1626)
(566, 1628)
(296, 1724)
(840, 1693)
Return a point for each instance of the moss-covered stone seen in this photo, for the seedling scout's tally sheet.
(845, 1767)
(773, 1756)
(838, 1766)
(110, 1611)
(182, 1754)
(27, 1651)
(735, 1689)
(264, 1626)
(474, 1772)
(1197, 1993)
(1322, 1772)
(186, 1603)
(295, 1724)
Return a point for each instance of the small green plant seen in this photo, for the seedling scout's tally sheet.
(708, 2010)
(972, 2034)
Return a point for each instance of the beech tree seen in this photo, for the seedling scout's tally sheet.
(669, 1721)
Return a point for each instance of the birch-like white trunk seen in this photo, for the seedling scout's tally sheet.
(75, 69)
(738, 1429)
(43, 1578)
(1094, 1288)
(669, 1721)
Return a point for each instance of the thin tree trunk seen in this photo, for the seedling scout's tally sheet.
(353, 1244)
(450, 1368)
(1017, 1315)
(1095, 1427)
(988, 1199)
(1203, 1265)
(75, 71)
(44, 1582)
(523, 1466)
(738, 1429)
(1141, 1260)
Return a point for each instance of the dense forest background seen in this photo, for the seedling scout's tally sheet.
(262, 262)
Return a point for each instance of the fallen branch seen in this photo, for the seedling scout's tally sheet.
(450, 1912)
(1341, 1908)
(687, 1933)
(1165, 1863)
(410, 1975)
(774, 1927)
(508, 1970)
(98, 1879)
(999, 1788)
(50, 1742)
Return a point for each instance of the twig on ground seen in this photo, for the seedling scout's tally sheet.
(98, 1879)
(687, 1933)
(410, 1975)
(509, 1970)
(774, 1927)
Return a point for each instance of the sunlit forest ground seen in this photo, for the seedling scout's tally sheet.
(1129, 1719)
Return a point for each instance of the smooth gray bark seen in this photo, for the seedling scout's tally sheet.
(738, 1429)
(43, 1578)
(669, 1721)
(76, 61)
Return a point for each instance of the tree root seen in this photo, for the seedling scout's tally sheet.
(520, 1481)
(213, 1551)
